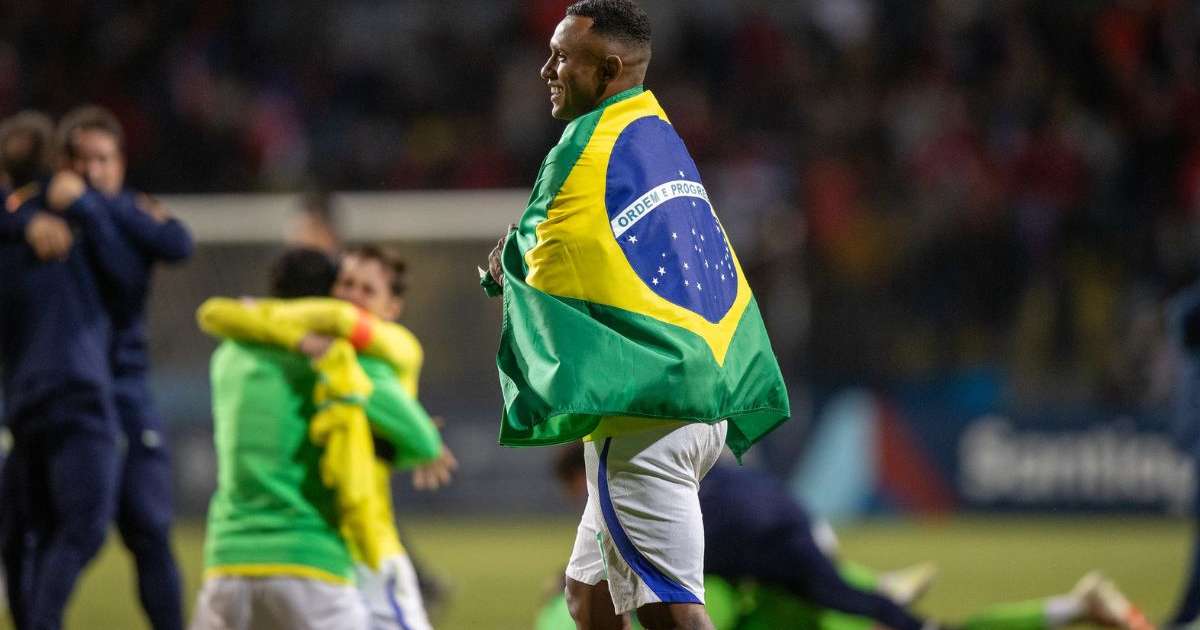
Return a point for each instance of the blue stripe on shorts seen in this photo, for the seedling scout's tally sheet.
(668, 590)
(396, 610)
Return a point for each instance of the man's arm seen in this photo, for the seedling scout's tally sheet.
(492, 280)
(15, 214)
(254, 322)
(400, 420)
(120, 266)
(158, 234)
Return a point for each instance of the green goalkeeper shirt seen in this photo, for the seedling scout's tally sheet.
(270, 514)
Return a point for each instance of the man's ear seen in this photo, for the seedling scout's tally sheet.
(611, 68)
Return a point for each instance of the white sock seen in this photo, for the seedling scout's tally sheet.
(1063, 609)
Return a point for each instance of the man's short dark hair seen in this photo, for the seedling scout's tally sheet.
(302, 272)
(389, 259)
(622, 20)
(88, 118)
(26, 153)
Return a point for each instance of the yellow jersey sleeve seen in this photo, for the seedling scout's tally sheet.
(401, 349)
(248, 321)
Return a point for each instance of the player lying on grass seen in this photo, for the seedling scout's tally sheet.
(370, 293)
(767, 566)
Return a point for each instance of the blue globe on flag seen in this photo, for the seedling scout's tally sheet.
(663, 220)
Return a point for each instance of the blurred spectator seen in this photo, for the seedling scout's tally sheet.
(314, 225)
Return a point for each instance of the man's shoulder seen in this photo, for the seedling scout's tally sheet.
(402, 332)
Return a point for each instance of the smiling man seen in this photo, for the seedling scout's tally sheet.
(628, 324)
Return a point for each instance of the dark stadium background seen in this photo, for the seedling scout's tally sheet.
(952, 212)
(918, 190)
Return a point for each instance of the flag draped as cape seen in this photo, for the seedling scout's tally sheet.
(622, 295)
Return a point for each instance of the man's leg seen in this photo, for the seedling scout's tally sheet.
(434, 589)
(591, 607)
(808, 573)
(81, 475)
(15, 533)
(144, 520)
(392, 595)
(670, 616)
(223, 604)
(586, 591)
(645, 488)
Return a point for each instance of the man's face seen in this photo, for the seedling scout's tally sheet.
(366, 283)
(573, 69)
(99, 159)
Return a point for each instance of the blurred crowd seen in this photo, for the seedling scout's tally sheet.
(917, 187)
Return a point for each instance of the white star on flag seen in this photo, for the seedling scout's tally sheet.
(662, 271)
(633, 239)
(693, 204)
(699, 287)
(706, 264)
(654, 280)
(722, 277)
(685, 266)
(681, 174)
(674, 235)
(685, 283)
(693, 231)
(702, 237)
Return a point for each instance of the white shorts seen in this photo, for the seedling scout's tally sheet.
(642, 529)
(286, 603)
(392, 595)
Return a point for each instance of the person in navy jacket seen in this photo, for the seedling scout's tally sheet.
(91, 144)
(59, 480)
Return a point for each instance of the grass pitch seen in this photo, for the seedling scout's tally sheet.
(500, 569)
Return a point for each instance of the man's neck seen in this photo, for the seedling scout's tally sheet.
(613, 90)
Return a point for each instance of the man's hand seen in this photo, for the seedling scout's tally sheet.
(65, 187)
(314, 346)
(49, 236)
(494, 268)
(437, 473)
(153, 207)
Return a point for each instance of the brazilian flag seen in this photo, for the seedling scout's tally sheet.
(623, 297)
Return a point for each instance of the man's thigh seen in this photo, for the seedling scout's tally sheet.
(145, 489)
(586, 565)
(82, 476)
(393, 595)
(643, 487)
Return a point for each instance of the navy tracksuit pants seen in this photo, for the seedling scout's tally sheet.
(59, 495)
